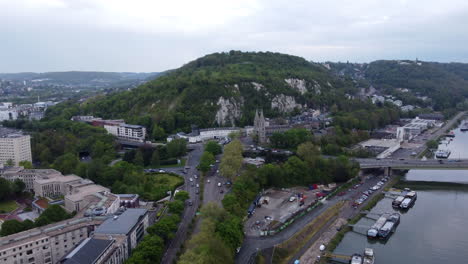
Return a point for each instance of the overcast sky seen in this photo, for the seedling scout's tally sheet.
(154, 35)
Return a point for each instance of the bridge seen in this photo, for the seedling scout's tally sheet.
(407, 164)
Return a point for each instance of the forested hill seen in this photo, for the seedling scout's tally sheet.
(225, 89)
(445, 83)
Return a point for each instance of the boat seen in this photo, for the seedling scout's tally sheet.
(369, 257)
(412, 195)
(356, 259)
(407, 203)
(442, 154)
(395, 219)
(450, 134)
(396, 203)
(386, 230)
(374, 230)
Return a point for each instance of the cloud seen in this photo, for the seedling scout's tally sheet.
(153, 35)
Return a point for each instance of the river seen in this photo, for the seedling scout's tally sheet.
(434, 231)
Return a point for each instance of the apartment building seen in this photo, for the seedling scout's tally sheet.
(47, 244)
(127, 132)
(113, 241)
(14, 146)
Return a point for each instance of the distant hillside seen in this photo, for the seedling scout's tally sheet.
(78, 78)
(225, 89)
(445, 83)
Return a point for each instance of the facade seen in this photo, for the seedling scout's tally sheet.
(47, 244)
(127, 132)
(8, 114)
(14, 146)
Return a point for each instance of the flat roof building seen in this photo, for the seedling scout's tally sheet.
(14, 146)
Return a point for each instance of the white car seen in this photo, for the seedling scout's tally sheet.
(208, 181)
(219, 184)
(198, 186)
(195, 176)
(292, 199)
(191, 179)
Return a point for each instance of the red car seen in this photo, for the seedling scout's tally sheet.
(341, 193)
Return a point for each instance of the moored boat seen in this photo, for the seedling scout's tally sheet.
(369, 257)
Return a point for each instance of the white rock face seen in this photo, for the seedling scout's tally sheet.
(257, 86)
(285, 103)
(229, 110)
(299, 85)
(317, 87)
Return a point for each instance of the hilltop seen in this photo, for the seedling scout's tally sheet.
(225, 89)
(446, 84)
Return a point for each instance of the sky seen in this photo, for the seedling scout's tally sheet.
(154, 35)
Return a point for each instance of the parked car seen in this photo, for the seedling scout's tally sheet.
(292, 199)
(219, 184)
(222, 191)
(190, 203)
(198, 185)
(208, 181)
(191, 179)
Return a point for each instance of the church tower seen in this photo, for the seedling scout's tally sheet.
(259, 126)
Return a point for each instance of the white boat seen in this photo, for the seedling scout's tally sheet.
(356, 259)
(369, 257)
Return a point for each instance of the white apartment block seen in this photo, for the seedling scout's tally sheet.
(14, 146)
(127, 132)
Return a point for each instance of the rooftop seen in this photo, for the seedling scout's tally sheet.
(385, 143)
(131, 126)
(9, 132)
(88, 251)
(122, 224)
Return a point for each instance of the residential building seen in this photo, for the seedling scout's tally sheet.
(132, 224)
(14, 146)
(127, 132)
(47, 244)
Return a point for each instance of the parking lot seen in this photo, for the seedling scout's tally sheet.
(277, 206)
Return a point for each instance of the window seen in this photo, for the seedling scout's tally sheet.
(29, 252)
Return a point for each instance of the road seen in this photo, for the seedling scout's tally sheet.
(189, 212)
(253, 244)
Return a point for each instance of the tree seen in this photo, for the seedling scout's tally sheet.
(155, 161)
(182, 196)
(10, 163)
(165, 227)
(5, 188)
(206, 160)
(11, 227)
(231, 162)
(26, 164)
(138, 160)
(213, 147)
(54, 213)
(231, 231)
(176, 207)
(158, 132)
(66, 163)
(432, 144)
(177, 148)
(149, 251)
(18, 186)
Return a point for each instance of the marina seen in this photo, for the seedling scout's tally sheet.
(432, 232)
